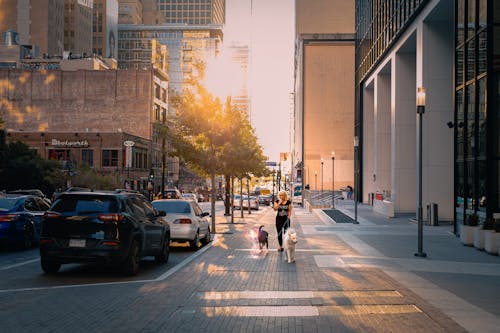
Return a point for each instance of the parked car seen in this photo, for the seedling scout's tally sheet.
(35, 192)
(20, 219)
(264, 200)
(188, 222)
(103, 227)
(172, 193)
(189, 196)
(70, 189)
(254, 202)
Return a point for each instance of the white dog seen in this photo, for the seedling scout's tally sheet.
(289, 244)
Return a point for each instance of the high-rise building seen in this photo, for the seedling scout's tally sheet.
(240, 56)
(324, 93)
(187, 45)
(448, 48)
(105, 28)
(191, 11)
(78, 16)
(38, 22)
(129, 11)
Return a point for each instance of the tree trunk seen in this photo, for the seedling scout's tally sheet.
(212, 199)
(227, 199)
(241, 197)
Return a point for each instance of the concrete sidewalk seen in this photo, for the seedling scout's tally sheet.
(462, 282)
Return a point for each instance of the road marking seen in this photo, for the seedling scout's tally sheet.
(19, 264)
(159, 278)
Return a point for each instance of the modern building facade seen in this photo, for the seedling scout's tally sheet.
(240, 56)
(105, 28)
(187, 46)
(192, 12)
(449, 48)
(38, 22)
(78, 15)
(324, 94)
(129, 11)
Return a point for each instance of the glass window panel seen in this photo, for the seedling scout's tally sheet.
(470, 186)
(471, 18)
(460, 185)
(482, 54)
(482, 118)
(483, 19)
(459, 68)
(460, 121)
(481, 189)
(460, 21)
(471, 124)
(471, 59)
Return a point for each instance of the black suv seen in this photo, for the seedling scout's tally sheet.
(116, 228)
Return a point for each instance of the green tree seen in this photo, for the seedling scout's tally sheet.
(23, 168)
(212, 137)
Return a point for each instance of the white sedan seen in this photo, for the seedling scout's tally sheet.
(187, 221)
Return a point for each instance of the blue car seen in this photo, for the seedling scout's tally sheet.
(20, 219)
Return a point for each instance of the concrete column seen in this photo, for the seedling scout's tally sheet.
(403, 140)
(368, 142)
(435, 72)
(382, 127)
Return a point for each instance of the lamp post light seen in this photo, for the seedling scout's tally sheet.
(420, 112)
(322, 163)
(356, 172)
(333, 179)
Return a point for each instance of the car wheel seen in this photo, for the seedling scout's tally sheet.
(208, 237)
(28, 238)
(162, 258)
(195, 242)
(131, 264)
(50, 266)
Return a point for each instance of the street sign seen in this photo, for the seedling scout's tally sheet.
(271, 164)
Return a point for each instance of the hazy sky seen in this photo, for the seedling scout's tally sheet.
(270, 33)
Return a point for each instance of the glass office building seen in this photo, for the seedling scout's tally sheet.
(452, 48)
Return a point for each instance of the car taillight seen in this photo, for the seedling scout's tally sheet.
(8, 217)
(183, 221)
(46, 241)
(51, 215)
(110, 217)
(111, 243)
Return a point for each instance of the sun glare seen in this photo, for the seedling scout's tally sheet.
(223, 75)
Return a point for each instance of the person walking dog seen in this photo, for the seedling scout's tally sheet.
(283, 206)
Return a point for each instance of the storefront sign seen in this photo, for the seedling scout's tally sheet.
(70, 144)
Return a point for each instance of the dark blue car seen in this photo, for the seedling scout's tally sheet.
(20, 219)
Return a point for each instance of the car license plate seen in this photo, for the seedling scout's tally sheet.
(77, 243)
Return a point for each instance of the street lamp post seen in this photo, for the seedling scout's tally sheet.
(333, 179)
(322, 163)
(420, 112)
(316, 180)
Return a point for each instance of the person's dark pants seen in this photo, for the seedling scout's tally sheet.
(281, 227)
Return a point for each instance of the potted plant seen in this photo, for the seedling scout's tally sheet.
(480, 232)
(467, 230)
(492, 238)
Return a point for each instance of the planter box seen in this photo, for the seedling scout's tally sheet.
(467, 234)
(491, 240)
(479, 238)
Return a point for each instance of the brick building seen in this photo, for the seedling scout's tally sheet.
(86, 116)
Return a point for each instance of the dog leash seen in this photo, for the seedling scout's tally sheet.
(287, 222)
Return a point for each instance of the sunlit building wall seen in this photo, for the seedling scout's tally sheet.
(105, 28)
(129, 11)
(192, 11)
(239, 55)
(38, 22)
(78, 15)
(324, 93)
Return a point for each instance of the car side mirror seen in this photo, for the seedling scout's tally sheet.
(162, 213)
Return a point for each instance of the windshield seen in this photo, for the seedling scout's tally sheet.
(85, 205)
(175, 207)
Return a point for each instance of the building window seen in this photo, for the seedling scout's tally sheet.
(110, 158)
(88, 156)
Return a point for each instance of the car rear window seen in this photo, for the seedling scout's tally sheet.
(7, 204)
(85, 205)
(176, 207)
